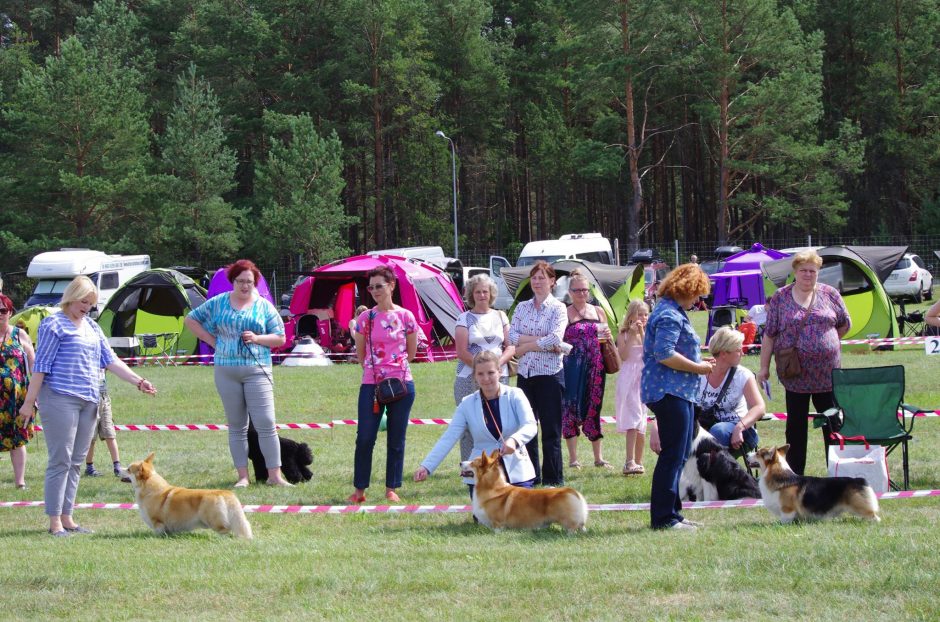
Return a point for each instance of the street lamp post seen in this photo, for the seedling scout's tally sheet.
(453, 162)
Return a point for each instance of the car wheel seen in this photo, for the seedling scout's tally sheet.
(918, 296)
(928, 293)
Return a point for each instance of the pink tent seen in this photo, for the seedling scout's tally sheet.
(323, 304)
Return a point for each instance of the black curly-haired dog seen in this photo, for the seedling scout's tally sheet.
(295, 458)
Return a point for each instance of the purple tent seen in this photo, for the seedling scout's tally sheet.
(751, 259)
(219, 285)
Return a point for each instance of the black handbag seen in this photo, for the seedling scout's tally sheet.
(707, 417)
(390, 389)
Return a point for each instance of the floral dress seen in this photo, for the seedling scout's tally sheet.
(584, 382)
(13, 384)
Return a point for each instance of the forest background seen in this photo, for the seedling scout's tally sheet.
(299, 131)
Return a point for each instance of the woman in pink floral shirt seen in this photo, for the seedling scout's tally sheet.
(386, 340)
(811, 317)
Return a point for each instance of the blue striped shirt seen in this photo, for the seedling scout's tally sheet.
(218, 317)
(72, 357)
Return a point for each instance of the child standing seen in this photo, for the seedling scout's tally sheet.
(630, 411)
(107, 434)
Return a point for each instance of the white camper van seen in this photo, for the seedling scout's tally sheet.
(587, 246)
(434, 254)
(56, 269)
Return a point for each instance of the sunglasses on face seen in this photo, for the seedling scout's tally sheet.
(376, 287)
(579, 290)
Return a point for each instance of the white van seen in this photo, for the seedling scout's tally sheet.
(587, 246)
(433, 254)
(56, 269)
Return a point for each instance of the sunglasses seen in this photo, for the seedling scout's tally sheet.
(580, 290)
(377, 287)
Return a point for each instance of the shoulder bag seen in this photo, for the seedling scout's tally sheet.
(788, 359)
(706, 416)
(518, 465)
(609, 351)
(390, 389)
(512, 365)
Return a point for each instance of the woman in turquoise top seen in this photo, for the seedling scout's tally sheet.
(672, 365)
(243, 327)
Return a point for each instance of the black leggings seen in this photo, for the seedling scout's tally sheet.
(798, 424)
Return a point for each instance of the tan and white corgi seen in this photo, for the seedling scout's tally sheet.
(498, 504)
(790, 496)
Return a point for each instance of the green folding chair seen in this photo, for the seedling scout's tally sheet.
(868, 400)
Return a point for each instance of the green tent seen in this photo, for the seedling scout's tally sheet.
(858, 273)
(29, 318)
(153, 303)
(612, 287)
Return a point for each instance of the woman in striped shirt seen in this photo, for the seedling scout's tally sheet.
(537, 331)
(71, 351)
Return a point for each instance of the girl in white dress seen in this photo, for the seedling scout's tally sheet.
(630, 410)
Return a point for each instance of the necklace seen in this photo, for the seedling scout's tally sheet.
(580, 314)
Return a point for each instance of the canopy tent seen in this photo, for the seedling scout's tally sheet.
(613, 287)
(324, 303)
(29, 318)
(219, 284)
(153, 304)
(858, 273)
(740, 285)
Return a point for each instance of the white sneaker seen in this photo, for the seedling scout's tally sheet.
(692, 523)
(683, 526)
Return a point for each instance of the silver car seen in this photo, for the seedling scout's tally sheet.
(910, 279)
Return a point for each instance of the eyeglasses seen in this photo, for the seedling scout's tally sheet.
(4, 311)
(244, 282)
(376, 287)
(580, 290)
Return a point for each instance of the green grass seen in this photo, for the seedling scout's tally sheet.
(742, 566)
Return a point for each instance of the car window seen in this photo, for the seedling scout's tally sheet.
(903, 264)
(109, 280)
(597, 257)
(528, 261)
(920, 262)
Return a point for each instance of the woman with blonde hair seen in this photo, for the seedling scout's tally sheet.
(70, 353)
(669, 383)
(480, 329)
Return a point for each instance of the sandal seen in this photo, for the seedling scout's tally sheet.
(632, 468)
(603, 464)
(574, 464)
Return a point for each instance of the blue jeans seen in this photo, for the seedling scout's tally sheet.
(674, 421)
(723, 430)
(397, 414)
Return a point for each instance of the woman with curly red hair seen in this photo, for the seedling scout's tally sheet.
(243, 327)
(672, 364)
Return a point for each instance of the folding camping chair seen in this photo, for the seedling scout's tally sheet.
(868, 399)
(157, 344)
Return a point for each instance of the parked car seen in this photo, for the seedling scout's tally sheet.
(910, 279)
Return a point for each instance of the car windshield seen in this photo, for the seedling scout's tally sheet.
(528, 261)
(903, 264)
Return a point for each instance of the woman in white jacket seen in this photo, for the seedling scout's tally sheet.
(497, 417)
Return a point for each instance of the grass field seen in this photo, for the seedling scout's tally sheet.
(741, 566)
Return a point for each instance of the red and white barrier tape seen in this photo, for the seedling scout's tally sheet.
(215, 427)
(454, 509)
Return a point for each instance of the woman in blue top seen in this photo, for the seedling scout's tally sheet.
(668, 386)
(70, 354)
(243, 327)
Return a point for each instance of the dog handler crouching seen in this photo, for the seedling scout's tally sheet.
(243, 327)
(497, 417)
(71, 352)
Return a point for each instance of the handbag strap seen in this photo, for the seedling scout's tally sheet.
(809, 310)
(838, 437)
(724, 387)
(489, 409)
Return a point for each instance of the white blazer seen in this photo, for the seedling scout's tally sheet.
(518, 423)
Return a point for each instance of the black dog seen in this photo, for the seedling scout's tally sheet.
(727, 475)
(295, 458)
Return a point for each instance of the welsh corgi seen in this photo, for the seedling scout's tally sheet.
(497, 504)
(789, 496)
(171, 509)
